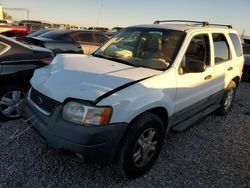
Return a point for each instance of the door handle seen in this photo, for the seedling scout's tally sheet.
(208, 77)
(230, 68)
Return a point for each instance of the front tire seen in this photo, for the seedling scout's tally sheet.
(141, 146)
(228, 98)
(11, 99)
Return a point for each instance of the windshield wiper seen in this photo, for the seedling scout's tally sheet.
(114, 59)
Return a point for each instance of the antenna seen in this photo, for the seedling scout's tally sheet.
(99, 15)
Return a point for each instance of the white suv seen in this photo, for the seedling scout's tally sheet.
(117, 104)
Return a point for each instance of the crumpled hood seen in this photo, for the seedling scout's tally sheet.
(84, 77)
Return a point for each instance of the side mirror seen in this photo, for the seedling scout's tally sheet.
(194, 67)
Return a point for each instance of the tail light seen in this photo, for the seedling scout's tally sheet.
(47, 60)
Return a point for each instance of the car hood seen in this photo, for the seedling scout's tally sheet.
(85, 77)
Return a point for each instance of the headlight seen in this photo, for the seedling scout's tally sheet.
(88, 115)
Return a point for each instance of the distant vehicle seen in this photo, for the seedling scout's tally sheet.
(12, 30)
(246, 45)
(246, 49)
(17, 64)
(40, 32)
(69, 41)
(33, 25)
(73, 27)
(98, 28)
(3, 22)
(113, 31)
(34, 34)
(117, 29)
(246, 70)
(246, 40)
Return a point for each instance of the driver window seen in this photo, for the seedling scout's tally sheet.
(198, 51)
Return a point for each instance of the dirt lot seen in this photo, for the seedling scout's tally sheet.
(214, 153)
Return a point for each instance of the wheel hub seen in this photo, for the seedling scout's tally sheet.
(10, 103)
(229, 99)
(145, 147)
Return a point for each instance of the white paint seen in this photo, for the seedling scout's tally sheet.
(84, 77)
(87, 78)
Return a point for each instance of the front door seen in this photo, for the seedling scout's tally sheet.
(194, 88)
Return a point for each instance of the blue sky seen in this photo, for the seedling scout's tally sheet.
(130, 12)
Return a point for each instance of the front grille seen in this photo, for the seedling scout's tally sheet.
(42, 101)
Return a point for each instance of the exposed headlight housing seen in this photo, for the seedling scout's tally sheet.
(86, 115)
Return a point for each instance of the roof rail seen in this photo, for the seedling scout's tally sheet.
(185, 21)
(222, 25)
(203, 23)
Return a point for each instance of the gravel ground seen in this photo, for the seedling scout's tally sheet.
(213, 153)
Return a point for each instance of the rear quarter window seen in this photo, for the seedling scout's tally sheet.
(84, 37)
(100, 39)
(237, 44)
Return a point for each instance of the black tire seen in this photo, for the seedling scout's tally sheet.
(6, 91)
(124, 162)
(228, 96)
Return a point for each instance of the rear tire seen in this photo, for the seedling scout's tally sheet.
(228, 98)
(11, 98)
(141, 146)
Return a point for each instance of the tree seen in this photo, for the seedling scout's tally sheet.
(6, 16)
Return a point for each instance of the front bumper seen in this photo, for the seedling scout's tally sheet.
(97, 144)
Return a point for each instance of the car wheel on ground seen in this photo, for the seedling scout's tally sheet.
(141, 146)
(227, 100)
(11, 98)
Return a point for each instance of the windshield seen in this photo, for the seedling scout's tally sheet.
(143, 47)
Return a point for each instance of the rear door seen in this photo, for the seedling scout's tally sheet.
(223, 61)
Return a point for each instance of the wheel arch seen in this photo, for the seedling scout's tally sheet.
(160, 111)
(236, 80)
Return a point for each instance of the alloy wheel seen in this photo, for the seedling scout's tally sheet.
(10, 103)
(145, 147)
(229, 99)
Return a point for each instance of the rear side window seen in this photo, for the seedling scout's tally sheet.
(84, 37)
(3, 48)
(100, 39)
(221, 48)
(236, 43)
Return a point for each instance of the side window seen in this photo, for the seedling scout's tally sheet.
(66, 38)
(100, 39)
(3, 48)
(198, 51)
(85, 37)
(221, 48)
(236, 43)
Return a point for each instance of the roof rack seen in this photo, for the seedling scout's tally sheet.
(203, 23)
(222, 25)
